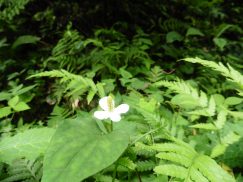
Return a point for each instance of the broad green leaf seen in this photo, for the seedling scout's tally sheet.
(219, 99)
(5, 96)
(21, 106)
(5, 111)
(25, 39)
(29, 144)
(173, 36)
(79, 149)
(233, 100)
(194, 31)
(13, 102)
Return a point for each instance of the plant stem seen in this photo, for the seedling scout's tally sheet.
(114, 172)
(111, 126)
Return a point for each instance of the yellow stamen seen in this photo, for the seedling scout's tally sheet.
(110, 103)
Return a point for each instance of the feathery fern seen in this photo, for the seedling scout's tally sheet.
(11, 8)
(185, 163)
(188, 97)
(76, 85)
(143, 150)
(104, 178)
(145, 165)
(24, 170)
(66, 52)
(126, 162)
(172, 24)
(229, 72)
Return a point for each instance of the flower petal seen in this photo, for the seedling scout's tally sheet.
(115, 116)
(104, 103)
(101, 114)
(123, 108)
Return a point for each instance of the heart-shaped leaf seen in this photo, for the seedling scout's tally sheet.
(79, 149)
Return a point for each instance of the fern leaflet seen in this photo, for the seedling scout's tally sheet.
(185, 163)
(24, 170)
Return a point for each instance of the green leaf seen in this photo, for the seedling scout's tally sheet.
(219, 99)
(21, 106)
(233, 100)
(13, 102)
(220, 42)
(137, 83)
(187, 164)
(221, 29)
(5, 111)
(236, 114)
(172, 170)
(194, 31)
(124, 73)
(207, 126)
(5, 96)
(79, 149)
(185, 101)
(101, 90)
(218, 150)
(29, 144)
(173, 36)
(25, 39)
(91, 95)
(149, 106)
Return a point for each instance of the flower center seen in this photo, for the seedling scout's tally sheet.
(110, 103)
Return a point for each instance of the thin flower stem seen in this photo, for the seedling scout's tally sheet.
(111, 126)
(114, 172)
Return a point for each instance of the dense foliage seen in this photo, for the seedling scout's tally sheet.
(177, 64)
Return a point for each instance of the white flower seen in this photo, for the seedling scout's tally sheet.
(109, 110)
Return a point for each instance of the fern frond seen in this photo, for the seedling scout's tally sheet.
(144, 150)
(229, 138)
(187, 164)
(185, 89)
(145, 165)
(67, 43)
(126, 162)
(58, 114)
(67, 52)
(25, 170)
(172, 24)
(76, 85)
(12, 8)
(208, 111)
(104, 178)
(229, 72)
(172, 170)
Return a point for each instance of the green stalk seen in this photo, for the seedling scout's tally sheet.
(114, 172)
